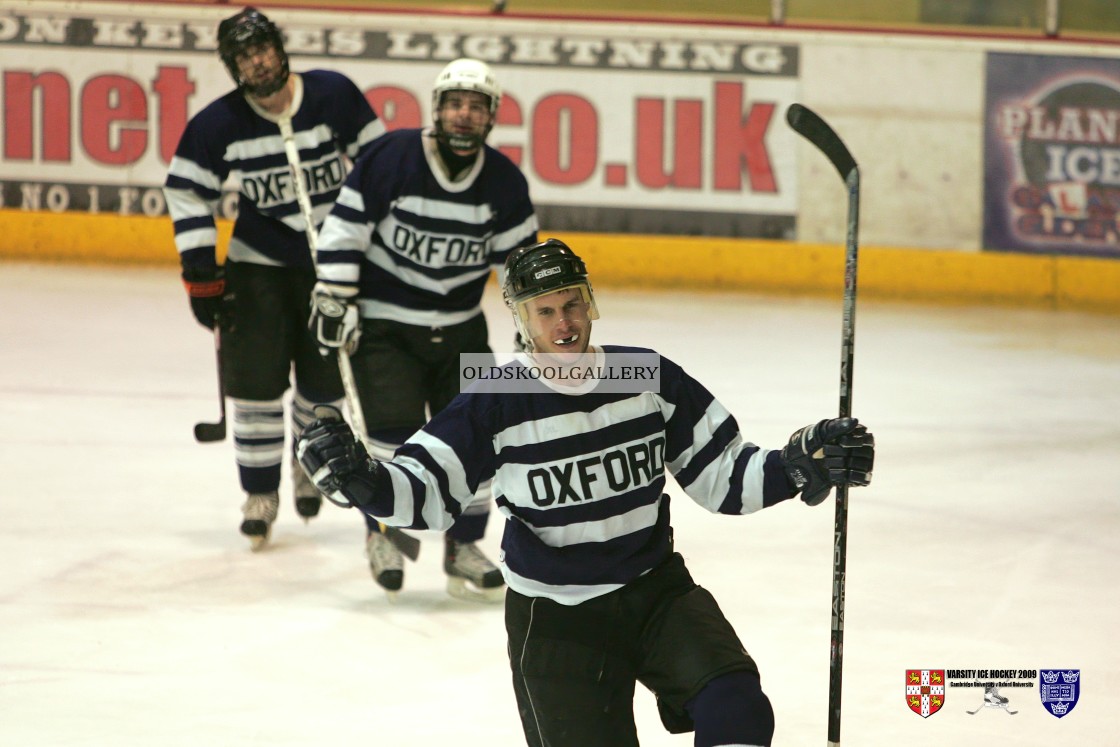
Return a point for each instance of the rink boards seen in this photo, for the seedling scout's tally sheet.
(925, 275)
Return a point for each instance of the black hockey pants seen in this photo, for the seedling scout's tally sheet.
(575, 667)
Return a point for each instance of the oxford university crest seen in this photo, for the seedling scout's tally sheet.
(1059, 689)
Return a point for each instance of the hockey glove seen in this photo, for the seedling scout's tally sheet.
(205, 287)
(832, 452)
(334, 321)
(336, 461)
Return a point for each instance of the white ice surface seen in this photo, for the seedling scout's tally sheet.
(132, 612)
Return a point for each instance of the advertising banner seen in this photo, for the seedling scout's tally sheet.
(1052, 154)
(618, 127)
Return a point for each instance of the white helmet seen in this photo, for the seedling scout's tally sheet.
(465, 75)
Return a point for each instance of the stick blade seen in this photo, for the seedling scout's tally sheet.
(406, 543)
(810, 126)
(206, 433)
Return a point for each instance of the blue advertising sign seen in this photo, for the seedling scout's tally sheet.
(1052, 154)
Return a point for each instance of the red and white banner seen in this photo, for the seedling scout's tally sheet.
(618, 127)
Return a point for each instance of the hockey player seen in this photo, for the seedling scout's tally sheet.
(598, 600)
(258, 299)
(418, 226)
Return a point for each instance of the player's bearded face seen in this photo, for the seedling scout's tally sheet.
(260, 66)
(560, 322)
(465, 117)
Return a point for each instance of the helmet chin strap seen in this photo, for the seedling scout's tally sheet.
(523, 330)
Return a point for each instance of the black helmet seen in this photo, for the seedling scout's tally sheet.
(238, 33)
(540, 269)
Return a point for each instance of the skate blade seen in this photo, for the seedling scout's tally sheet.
(258, 542)
(461, 589)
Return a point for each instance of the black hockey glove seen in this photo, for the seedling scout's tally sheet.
(334, 322)
(205, 287)
(336, 460)
(832, 452)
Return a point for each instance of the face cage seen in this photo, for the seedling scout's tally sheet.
(260, 91)
(520, 308)
(455, 141)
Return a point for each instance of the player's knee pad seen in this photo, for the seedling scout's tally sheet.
(732, 709)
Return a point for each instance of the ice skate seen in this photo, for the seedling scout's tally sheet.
(993, 698)
(470, 574)
(260, 511)
(386, 564)
(307, 496)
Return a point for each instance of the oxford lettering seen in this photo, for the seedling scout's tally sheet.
(437, 251)
(596, 477)
(271, 188)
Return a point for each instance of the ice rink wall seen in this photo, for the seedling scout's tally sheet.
(990, 166)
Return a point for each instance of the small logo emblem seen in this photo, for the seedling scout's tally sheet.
(546, 272)
(992, 699)
(1059, 689)
(925, 691)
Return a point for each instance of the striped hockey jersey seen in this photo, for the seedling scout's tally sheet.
(580, 478)
(416, 246)
(233, 137)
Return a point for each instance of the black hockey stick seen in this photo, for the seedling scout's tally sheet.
(814, 129)
(209, 432)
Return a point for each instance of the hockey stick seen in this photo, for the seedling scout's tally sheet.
(406, 543)
(814, 129)
(209, 432)
(1003, 708)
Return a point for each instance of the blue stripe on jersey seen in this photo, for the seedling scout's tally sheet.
(733, 501)
(576, 444)
(376, 281)
(347, 213)
(190, 224)
(264, 162)
(418, 491)
(681, 425)
(434, 469)
(615, 561)
(178, 182)
(727, 432)
(596, 511)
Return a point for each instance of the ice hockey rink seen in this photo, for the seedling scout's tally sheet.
(133, 613)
